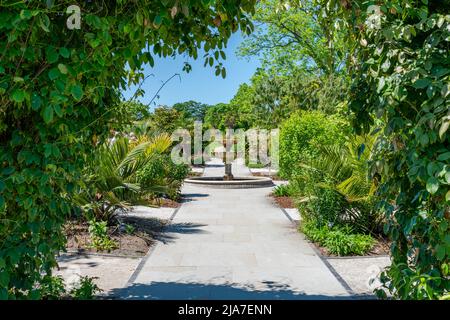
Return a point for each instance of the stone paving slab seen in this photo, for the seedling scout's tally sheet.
(150, 212)
(241, 247)
(293, 213)
(112, 273)
(359, 271)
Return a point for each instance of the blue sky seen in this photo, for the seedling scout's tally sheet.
(200, 84)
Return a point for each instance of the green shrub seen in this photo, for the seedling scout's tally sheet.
(302, 134)
(284, 190)
(85, 289)
(343, 244)
(98, 230)
(160, 170)
(336, 187)
(325, 206)
(52, 287)
(339, 240)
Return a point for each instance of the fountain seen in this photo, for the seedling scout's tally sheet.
(228, 180)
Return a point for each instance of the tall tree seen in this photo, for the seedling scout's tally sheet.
(291, 37)
(191, 109)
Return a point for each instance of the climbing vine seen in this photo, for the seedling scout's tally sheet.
(59, 87)
(401, 85)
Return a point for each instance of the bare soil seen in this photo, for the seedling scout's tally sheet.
(284, 202)
(136, 243)
(168, 203)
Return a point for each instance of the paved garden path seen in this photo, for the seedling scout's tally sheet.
(232, 244)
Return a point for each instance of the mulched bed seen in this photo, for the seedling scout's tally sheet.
(135, 244)
(284, 202)
(167, 203)
(381, 248)
(194, 174)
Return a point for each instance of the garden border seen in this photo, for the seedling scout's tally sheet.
(331, 257)
(323, 259)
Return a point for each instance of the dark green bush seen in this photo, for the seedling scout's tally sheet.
(302, 134)
(162, 171)
(325, 207)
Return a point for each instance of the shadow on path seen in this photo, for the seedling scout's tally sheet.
(188, 197)
(169, 233)
(229, 291)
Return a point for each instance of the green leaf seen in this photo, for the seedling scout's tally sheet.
(48, 114)
(77, 92)
(2, 263)
(35, 101)
(139, 19)
(443, 129)
(64, 52)
(53, 73)
(440, 252)
(381, 84)
(62, 68)
(158, 20)
(422, 83)
(424, 139)
(447, 196)
(44, 22)
(432, 185)
(51, 54)
(18, 95)
(58, 110)
(25, 14)
(4, 279)
(48, 150)
(2, 201)
(2, 186)
(7, 171)
(444, 156)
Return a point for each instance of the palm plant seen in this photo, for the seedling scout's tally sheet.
(110, 179)
(348, 166)
(344, 170)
